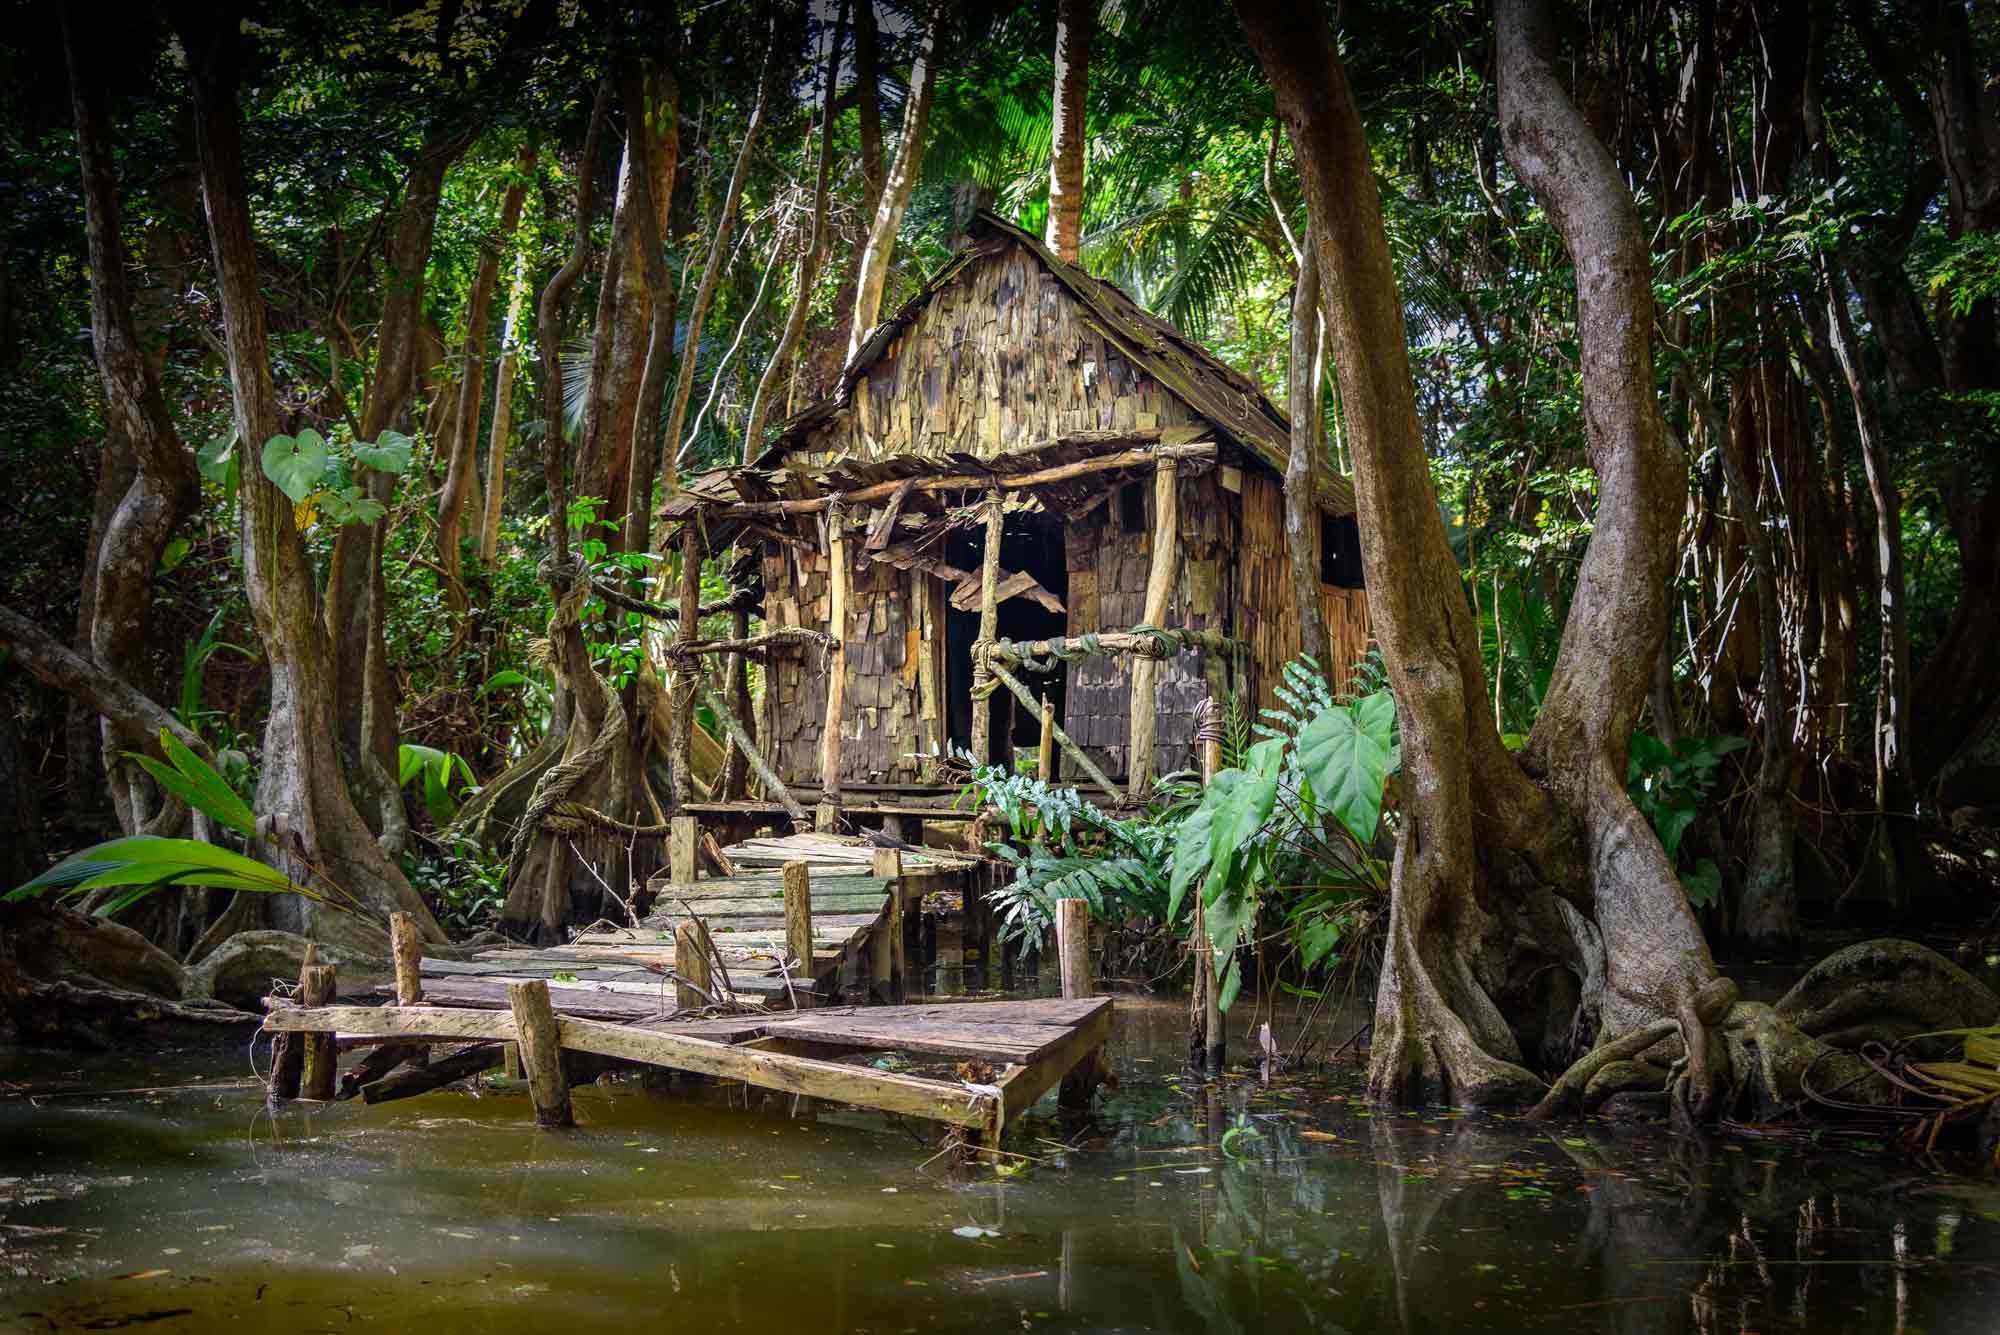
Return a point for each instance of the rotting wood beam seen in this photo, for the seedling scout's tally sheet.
(884, 528)
(876, 491)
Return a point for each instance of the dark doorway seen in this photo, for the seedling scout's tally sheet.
(1031, 543)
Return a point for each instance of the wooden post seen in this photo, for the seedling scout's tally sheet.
(799, 919)
(316, 1079)
(1160, 580)
(540, 1042)
(683, 833)
(407, 944)
(288, 1054)
(680, 722)
(836, 664)
(1206, 1047)
(1073, 958)
(1073, 947)
(1045, 754)
(989, 625)
(691, 963)
(885, 947)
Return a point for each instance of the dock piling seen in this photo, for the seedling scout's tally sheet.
(683, 835)
(288, 1052)
(798, 918)
(317, 1065)
(693, 974)
(540, 1040)
(1073, 958)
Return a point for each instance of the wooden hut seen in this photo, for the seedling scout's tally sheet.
(1018, 476)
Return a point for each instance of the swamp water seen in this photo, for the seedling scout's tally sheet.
(155, 1190)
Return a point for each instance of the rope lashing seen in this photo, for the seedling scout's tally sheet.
(1142, 641)
(1208, 721)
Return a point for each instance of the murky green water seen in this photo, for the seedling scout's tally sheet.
(1237, 1206)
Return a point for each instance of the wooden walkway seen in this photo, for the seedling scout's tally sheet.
(856, 917)
(1011, 1052)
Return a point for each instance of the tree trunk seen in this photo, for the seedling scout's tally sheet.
(302, 773)
(868, 105)
(356, 599)
(711, 271)
(809, 258)
(503, 415)
(896, 193)
(464, 467)
(1069, 135)
(161, 485)
(1302, 515)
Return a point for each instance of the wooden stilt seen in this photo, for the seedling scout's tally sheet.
(1078, 983)
(316, 1078)
(683, 834)
(836, 666)
(407, 944)
(798, 921)
(885, 945)
(288, 1052)
(1207, 1050)
(1045, 753)
(989, 625)
(540, 1040)
(691, 962)
(1160, 580)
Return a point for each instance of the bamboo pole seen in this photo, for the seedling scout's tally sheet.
(989, 624)
(540, 1040)
(836, 681)
(1160, 582)
(319, 1063)
(1045, 750)
(798, 919)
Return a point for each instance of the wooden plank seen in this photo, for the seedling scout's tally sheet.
(911, 1096)
(1022, 1086)
(880, 1028)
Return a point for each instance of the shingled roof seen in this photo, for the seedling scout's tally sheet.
(1220, 395)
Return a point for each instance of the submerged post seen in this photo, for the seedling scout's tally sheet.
(1073, 956)
(540, 1040)
(1205, 1035)
(798, 919)
(317, 1076)
(288, 1053)
(691, 964)
(885, 944)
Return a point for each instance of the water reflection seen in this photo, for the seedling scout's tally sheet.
(1230, 1206)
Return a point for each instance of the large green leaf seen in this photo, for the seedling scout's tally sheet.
(196, 783)
(295, 464)
(1191, 843)
(1346, 754)
(150, 861)
(1242, 811)
(389, 454)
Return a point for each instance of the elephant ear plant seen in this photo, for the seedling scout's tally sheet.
(138, 865)
(1293, 827)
